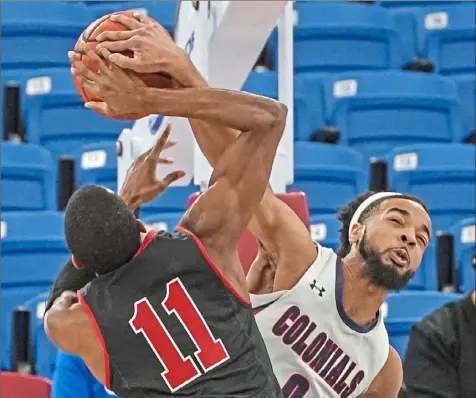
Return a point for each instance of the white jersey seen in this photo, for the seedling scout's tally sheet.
(316, 350)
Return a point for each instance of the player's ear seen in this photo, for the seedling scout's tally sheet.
(76, 264)
(356, 233)
(142, 227)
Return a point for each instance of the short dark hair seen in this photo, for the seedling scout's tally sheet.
(345, 214)
(100, 231)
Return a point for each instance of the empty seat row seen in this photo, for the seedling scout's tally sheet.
(442, 175)
(38, 34)
(372, 111)
(376, 111)
(341, 36)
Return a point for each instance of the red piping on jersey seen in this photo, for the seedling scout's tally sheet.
(89, 313)
(147, 240)
(213, 266)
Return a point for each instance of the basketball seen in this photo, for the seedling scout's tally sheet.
(88, 40)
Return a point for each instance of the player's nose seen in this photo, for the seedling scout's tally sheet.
(408, 237)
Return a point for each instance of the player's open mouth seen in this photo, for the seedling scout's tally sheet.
(400, 258)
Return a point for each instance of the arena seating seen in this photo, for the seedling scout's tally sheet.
(402, 310)
(57, 119)
(340, 36)
(348, 76)
(447, 37)
(325, 230)
(467, 92)
(309, 107)
(464, 233)
(43, 349)
(376, 111)
(38, 34)
(96, 164)
(28, 176)
(17, 385)
(442, 175)
(163, 11)
(330, 175)
(33, 251)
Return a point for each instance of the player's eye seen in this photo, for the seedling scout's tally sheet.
(396, 221)
(422, 240)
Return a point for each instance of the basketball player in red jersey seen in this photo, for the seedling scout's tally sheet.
(169, 314)
(318, 312)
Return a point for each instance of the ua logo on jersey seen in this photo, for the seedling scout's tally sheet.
(321, 290)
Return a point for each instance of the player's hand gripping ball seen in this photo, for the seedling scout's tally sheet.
(87, 40)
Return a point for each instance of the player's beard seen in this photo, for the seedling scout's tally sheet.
(378, 272)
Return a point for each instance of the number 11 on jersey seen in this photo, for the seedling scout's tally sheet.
(178, 370)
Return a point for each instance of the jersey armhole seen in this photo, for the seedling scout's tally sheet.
(213, 266)
(89, 313)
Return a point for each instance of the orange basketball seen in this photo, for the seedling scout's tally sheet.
(88, 40)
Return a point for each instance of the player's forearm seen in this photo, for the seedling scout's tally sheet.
(240, 111)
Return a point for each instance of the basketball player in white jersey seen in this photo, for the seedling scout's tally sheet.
(318, 311)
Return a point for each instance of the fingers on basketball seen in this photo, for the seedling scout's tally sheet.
(131, 23)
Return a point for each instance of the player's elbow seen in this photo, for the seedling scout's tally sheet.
(274, 118)
(52, 325)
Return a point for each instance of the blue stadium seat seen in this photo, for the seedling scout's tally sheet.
(464, 233)
(467, 92)
(44, 350)
(446, 34)
(33, 252)
(442, 175)
(162, 221)
(173, 200)
(339, 36)
(56, 118)
(162, 11)
(96, 164)
(38, 34)
(28, 176)
(325, 230)
(309, 109)
(376, 111)
(329, 175)
(426, 278)
(402, 310)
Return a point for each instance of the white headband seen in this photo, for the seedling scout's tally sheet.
(365, 204)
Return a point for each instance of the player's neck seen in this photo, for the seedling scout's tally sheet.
(360, 298)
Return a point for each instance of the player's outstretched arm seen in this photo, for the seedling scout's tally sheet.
(140, 186)
(274, 224)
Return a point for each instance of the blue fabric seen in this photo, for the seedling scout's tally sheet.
(73, 379)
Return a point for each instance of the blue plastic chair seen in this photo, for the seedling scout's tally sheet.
(96, 164)
(33, 252)
(467, 92)
(338, 171)
(404, 309)
(325, 230)
(173, 200)
(28, 176)
(442, 175)
(58, 120)
(309, 108)
(376, 111)
(44, 350)
(162, 221)
(162, 11)
(446, 35)
(339, 36)
(38, 34)
(464, 234)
